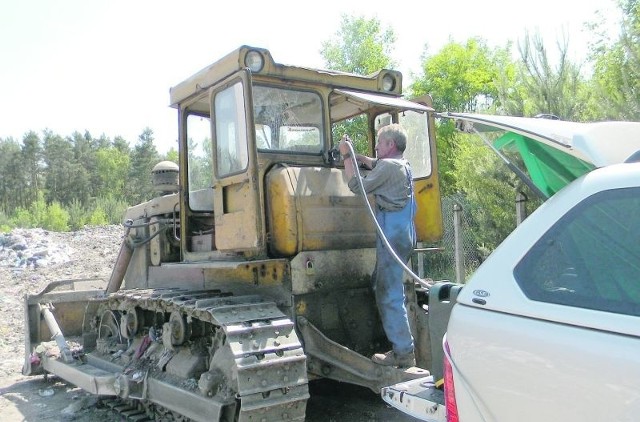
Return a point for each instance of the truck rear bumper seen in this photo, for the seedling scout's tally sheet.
(418, 398)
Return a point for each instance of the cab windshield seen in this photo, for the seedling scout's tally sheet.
(287, 120)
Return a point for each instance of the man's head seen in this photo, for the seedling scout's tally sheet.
(392, 141)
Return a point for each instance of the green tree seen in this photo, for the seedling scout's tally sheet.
(544, 85)
(172, 155)
(32, 163)
(39, 214)
(616, 65)
(98, 217)
(112, 171)
(113, 207)
(5, 223)
(143, 158)
(102, 142)
(490, 190)
(121, 145)
(461, 78)
(12, 176)
(61, 172)
(360, 46)
(84, 160)
(77, 215)
(22, 218)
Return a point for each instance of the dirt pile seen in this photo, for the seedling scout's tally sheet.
(32, 258)
(29, 260)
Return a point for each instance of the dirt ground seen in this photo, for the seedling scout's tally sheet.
(90, 253)
(36, 399)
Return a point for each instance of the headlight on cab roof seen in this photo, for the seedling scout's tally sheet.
(254, 61)
(388, 82)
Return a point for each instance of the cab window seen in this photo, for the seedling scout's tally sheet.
(232, 155)
(418, 151)
(200, 163)
(287, 120)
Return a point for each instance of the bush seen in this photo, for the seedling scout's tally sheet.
(50, 217)
(77, 215)
(56, 218)
(5, 223)
(97, 218)
(22, 218)
(113, 209)
(38, 211)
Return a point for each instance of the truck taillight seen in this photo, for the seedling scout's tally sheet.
(449, 389)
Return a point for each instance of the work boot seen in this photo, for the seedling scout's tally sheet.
(391, 358)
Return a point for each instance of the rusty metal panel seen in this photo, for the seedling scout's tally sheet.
(329, 359)
(330, 270)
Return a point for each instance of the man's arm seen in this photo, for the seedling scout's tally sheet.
(345, 151)
(368, 162)
(350, 171)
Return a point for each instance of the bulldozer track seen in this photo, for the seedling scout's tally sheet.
(250, 341)
(128, 410)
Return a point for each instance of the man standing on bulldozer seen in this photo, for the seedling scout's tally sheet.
(390, 182)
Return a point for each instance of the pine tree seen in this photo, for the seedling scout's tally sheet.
(143, 158)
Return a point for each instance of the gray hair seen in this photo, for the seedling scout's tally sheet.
(396, 133)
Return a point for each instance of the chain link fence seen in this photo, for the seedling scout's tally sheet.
(440, 264)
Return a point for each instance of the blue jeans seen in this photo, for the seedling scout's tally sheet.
(388, 275)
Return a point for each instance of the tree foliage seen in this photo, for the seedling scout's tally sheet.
(489, 189)
(461, 78)
(32, 164)
(544, 84)
(360, 46)
(112, 170)
(143, 158)
(62, 183)
(616, 63)
(60, 169)
(12, 177)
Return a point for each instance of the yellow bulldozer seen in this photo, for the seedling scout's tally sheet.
(249, 275)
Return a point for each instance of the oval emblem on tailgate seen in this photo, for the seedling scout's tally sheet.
(481, 293)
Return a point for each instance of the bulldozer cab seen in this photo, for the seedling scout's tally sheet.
(245, 115)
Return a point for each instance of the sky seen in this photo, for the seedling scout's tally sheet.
(106, 66)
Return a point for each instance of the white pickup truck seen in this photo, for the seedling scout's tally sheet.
(548, 328)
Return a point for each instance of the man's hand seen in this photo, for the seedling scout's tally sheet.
(344, 145)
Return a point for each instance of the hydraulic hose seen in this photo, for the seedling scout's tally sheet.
(372, 214)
